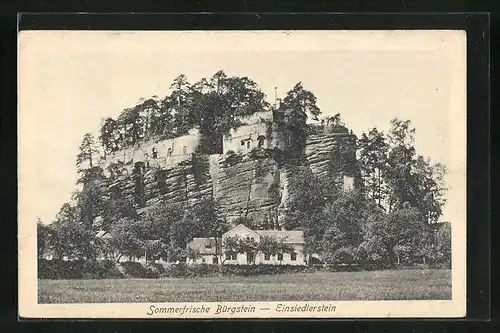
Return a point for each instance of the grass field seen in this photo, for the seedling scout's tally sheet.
(321, 286)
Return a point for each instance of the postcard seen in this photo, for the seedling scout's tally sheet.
(242, 174)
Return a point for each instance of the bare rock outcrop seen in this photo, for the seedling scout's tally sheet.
(319, 149)
(244, 184)
(245, 189)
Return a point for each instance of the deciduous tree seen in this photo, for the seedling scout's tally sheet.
(373, 154)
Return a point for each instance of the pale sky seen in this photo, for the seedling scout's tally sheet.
(69, 81)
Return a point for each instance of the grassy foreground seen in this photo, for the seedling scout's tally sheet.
(431, 284)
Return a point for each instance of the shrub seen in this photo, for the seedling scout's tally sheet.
(158, 269)
(176, 270)
(259, 153)
(251, 270)
(446, 264)
(188, 271)
(232, 158)
(344, 268)
(45, 270)
(313, 269)
(137, 270)
(203, 270)
(104, 269)
(77, 269)
(60, 269)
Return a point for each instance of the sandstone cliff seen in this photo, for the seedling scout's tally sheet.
(245, 189)
(321, 146)
(172, 185)
(248, 184)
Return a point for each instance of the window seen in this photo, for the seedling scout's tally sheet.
(184, 150)
(203, 260)
(231, 256)
(280, 256)
(242, 142)
(215, 260)
(169, 152)
(267, 256)
(250, 257)
(248, 144)
(154, 153)
(293, 256)
(261, 141)
(208, 245)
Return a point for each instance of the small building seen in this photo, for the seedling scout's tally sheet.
(252, 134)
(206, 250)
(207, 253)
(155, 152)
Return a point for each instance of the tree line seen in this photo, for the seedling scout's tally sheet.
(389, 218)
(212, 104)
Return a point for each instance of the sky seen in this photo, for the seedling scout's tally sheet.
(70, 80)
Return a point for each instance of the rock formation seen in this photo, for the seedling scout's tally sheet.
(247, 180)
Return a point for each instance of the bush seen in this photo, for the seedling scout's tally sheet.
(60, 269)
(344, 268)
(137, 270)
(251, 270)
(259, 153)
(176, 270)
(158, 269)
(203, 270)
(183, 270)
(107, 269)
(77, 269)
(91, 269)
(446, 264)
(232, 158)
(104, 269)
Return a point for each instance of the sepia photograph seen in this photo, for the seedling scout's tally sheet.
(242, 174)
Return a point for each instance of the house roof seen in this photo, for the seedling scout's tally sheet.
(289, 236)
(240, 226)
(201, 244)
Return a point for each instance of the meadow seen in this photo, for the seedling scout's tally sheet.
(428, 284)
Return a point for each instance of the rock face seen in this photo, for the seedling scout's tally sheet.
(173, 186)
(176, 185)
(246, 183)
(245, 189)
(319, 148)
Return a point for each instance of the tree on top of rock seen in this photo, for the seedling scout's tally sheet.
(297, 107)
(218, 103)
(88, 152)
(179, 104)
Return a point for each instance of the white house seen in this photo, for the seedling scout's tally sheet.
(155, 152)
(250, 135)
(207, 249)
